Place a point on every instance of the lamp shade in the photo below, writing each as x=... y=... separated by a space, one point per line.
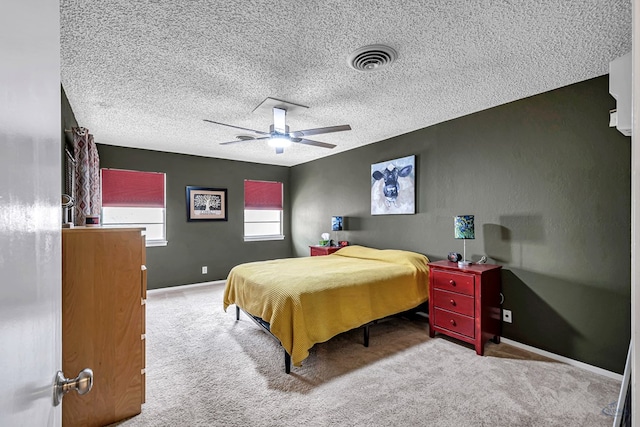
x=336 y=223
x=463 y=227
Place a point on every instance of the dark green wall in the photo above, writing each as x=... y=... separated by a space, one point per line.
x=549 y=184
x=217 y=244
x=68 y=121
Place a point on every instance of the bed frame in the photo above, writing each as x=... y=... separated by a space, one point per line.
x=287 y=357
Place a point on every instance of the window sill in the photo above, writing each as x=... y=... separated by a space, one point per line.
x=152 y=243
x=263 y=238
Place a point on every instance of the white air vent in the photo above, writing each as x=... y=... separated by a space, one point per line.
x=372 y=58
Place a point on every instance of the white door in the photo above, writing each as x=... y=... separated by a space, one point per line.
x=30 y=214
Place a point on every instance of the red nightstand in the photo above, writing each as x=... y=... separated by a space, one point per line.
x=323 y=250
x=464 y=303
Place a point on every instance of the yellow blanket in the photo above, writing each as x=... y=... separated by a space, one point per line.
x=309 y=300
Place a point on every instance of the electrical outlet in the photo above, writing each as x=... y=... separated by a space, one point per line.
x=506 y=316
x=204 y=269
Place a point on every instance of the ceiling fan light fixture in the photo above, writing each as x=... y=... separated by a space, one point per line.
x=279 y=136
x=279 y=141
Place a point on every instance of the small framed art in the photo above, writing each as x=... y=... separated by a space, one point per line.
x=206 y=204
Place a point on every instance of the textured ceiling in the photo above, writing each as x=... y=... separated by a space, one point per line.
x=146 y=73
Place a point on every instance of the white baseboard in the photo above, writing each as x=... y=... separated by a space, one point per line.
x=181 y=288
x=563 y=359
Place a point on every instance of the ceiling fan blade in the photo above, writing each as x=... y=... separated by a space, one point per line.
x=238 y=127
x=318 y=131
x=245 y=140
x=314 y=143
x=279 y=120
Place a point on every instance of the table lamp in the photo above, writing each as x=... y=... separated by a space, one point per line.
x=336 y=225
x=463 y=229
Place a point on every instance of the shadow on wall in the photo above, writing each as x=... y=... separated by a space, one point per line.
x=535 y=321
x=503 y=242
x=545 y=308
x=353 y=223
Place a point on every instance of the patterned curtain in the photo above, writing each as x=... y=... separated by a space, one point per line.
x=86 y=176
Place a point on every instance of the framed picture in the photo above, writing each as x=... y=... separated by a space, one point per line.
x=393 y=187
x=206 y=204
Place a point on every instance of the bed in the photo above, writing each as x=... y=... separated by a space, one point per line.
x=304 y=301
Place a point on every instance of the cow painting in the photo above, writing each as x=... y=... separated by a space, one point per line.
x=393 y=187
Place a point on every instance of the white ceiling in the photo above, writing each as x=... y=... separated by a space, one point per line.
x=146 y=73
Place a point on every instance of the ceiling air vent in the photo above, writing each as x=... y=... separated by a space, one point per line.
x=372 y=58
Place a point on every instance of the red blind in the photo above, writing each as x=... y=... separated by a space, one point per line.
x=262 y=195
x=123 y=188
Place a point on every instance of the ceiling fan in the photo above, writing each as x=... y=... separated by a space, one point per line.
x=279 y=136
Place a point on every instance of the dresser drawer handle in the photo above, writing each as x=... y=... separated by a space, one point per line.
x=452 y=282
x=453 y=322
x=453 y=302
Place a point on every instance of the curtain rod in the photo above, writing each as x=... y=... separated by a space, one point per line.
x=72 y=130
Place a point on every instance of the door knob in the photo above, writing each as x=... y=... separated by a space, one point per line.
x=61 y=385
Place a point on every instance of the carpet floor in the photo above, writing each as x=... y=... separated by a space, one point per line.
x=204 y=368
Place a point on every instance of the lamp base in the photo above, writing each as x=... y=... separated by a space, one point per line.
x=464 y=264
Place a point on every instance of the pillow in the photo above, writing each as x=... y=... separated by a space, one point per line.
x=396 y=256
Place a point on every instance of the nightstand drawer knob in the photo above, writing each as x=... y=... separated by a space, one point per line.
x=453 y=303
x=452 y=282
x=453 y=322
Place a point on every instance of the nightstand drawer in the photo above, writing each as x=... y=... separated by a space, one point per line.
x=452 y=301
x=453 y=282
x=454 y=322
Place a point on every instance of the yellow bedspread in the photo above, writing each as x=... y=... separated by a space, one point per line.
x=309 y=300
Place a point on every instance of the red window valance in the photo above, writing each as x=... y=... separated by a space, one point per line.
x=125 y=188
x=262 y=195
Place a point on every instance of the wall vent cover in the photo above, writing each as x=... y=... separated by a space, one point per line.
x=372 y=58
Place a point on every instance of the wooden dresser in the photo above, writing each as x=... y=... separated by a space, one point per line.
x=464 y=303
x=104 y=287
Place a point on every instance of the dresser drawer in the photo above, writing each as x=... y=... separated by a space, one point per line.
x=454 y=282
x=452 y=301
x=454 y=322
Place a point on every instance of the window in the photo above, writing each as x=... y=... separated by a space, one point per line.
x=262 y=210
x=135 y=199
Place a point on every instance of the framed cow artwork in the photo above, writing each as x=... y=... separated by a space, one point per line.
x=393 y=187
